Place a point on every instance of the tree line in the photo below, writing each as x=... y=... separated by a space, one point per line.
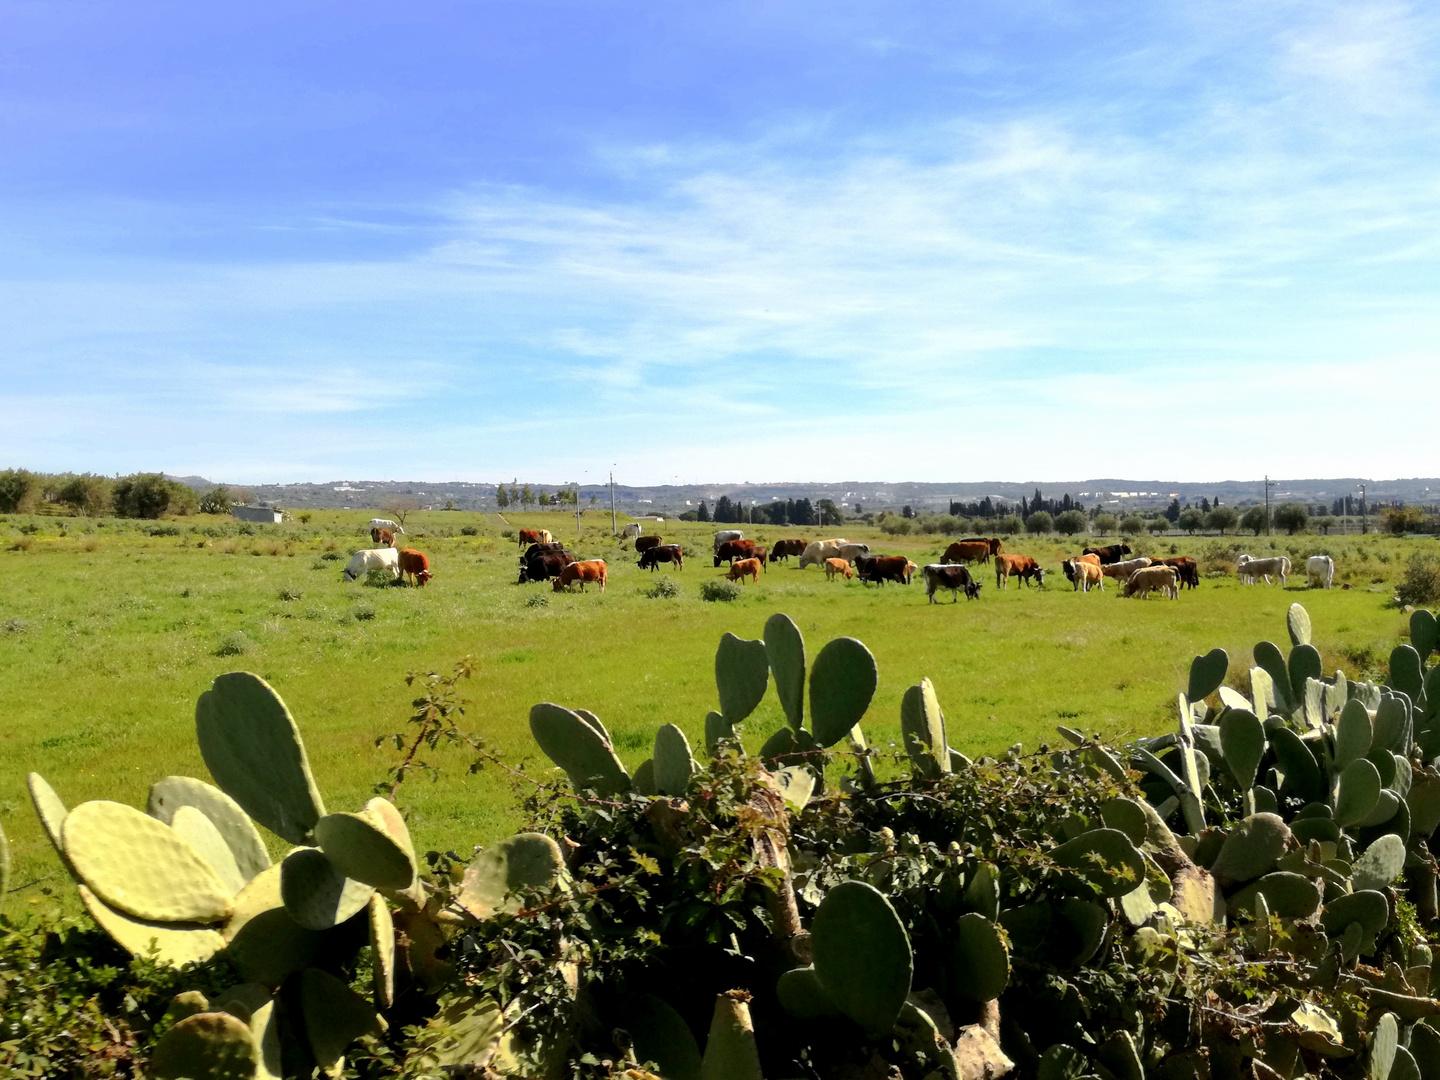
x=139 y=495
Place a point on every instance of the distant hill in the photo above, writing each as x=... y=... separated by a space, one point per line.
x=669 y=500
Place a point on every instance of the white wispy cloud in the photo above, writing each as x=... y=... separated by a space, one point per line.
x=1019 y=276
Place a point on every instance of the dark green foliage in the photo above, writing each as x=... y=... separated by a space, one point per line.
x=149 y=495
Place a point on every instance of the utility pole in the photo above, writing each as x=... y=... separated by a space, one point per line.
x=613 y=529
x=1268 y=485
x=1364 y=524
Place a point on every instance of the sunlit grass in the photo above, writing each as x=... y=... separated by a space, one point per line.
x=108 y=635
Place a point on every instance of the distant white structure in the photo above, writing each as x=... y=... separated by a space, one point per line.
x=268 y=514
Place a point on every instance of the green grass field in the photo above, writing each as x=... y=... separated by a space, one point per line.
x=108 y=635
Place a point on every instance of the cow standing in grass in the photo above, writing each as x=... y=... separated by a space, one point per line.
x=590 y=570
x=950 y=576
x=740 y=569
x=415 y=566
x=1021 y=566
x=362 y=562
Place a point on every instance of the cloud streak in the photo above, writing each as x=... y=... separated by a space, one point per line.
x=1232 y=215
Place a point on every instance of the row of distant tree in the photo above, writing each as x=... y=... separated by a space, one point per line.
x=523 y=496
x=140 y=495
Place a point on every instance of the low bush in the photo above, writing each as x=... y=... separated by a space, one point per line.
x=236 y=643
x=537 y=600
x=469 y=530
x=712 y=591
x=379 y=578
x=664 y=589
x=1421 y=581
x=290 y=593
x=331 y=555
x=14 y=626
x=362 y=613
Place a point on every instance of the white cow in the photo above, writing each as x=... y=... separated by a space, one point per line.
x=820 y=550
x=1249 y=568
x=385 y=523
x=362 y=562
x=726 y=535
x=631 y=531
x=1121 y=571
x=851 y=552
x=1321 y=569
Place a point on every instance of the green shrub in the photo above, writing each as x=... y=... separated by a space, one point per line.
x=1070 y=522
x=362 y=612
x=290 y=593
x=664 y=589
x=1106 y=523
x=378 y=577
x=1421 y=581
x=469 y=530
x=537 y=600
x=331 y=556
x=1132 y=525
x=235 y=643
x=720 y=590
x=14 y=625
x=1039 y=522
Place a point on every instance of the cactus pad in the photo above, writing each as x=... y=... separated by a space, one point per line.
x=316 y=894
x=253 y=749
x=1242 y=744
x=674 y=764
x=716 y=729
x=1367 y=908
x=730 y=1050
x=1297 y=621
x=1105 y=858
x=1287 y=894
x=1253 y=848
x=1304 y=664
x=660 y=1034
x=335 y=1016
x=1424 y=632
x=742 y=672
x=1356 y=792
x=576 y=747
x=785 y=650
x=1406 y=671
x=1392 y=725
x=1298 y=766
x=206 y=1046
x=175 y=946
x=643 y=779
x=382 y=951
x=593 y=722
x=1125 y=815
x=1269 y=657
x=173 y=792
x=1353 y=734
x=1382 y=862
x=802 y=995
x=862 y=954
x=385 y=814
x=922 y=726
x=363 y=851
x=51 y=812
x=842 y=682
x=980 y=963
x=141 y=866
x=205 y=838
x=982 y=891
x=1206 y=674
x=264 y=943
x=526 y=860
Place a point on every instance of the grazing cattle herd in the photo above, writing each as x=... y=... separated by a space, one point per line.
x=543 y=559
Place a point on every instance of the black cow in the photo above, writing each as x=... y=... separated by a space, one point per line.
x=544 y=566
x=950 y=576
x=670 y=553
x=1112 y=553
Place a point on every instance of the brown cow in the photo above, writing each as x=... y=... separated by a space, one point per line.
x=993 y=541
x=535 y=536
x=1084 y=574
x=1186 y=569
x=416 y=565
x=763 y=555
x=883 y=568
x=731 y=550
x=645 y=543
x=783 y=549
x=654 y=556
x=591 y=570
x=743 y=568
x=963 y=551
x=836 y=567
x=382 y=536
x=1021 y=566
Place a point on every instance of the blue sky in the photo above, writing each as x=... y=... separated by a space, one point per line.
x=750 y=241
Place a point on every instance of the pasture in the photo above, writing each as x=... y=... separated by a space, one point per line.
x=109 y=630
